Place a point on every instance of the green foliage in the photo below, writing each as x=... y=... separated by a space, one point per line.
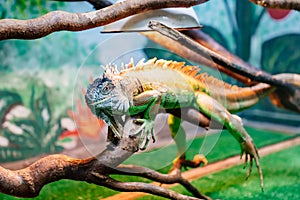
x=216 y=35
x=281 y=171
x=52 y=51
x=39 y=132
x=278 y=55
x=281 y=54
x=245 y=27
x=24 y=9
x=7 y=100
x=225 y=147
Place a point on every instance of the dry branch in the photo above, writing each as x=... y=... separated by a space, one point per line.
x=59 y=20
x=189 y=54
x=208 y=42
x=280 y=4
x=29 y=181
x=156 y=176
x=208 y=54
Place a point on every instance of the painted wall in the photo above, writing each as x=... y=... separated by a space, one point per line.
x=42 y=81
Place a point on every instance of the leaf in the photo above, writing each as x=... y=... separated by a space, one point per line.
x=45 y=111
x=216 y=35
x=41 y=110
x=245 y=19
x=30 y=129
x=9 y=154
x=29 y=138
x=281 y=54
x=7 y=100
x=31 y=103
x=52 y=136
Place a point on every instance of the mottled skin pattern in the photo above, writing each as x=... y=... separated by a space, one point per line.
x=159 y=84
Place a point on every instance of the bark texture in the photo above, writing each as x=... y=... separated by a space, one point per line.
x=64 y=21
x=280 y=4
x=29 y=181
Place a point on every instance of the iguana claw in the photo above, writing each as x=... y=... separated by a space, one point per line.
x=251 y=154
x=147 y=132
x=180 y=162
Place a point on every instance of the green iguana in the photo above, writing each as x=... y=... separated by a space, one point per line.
x=160 y=84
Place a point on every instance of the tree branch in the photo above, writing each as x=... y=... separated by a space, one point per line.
x=59 y=20
x=280 y=4
x=219 y=59
x=209 y=43
x=158 y=177
x=29 y=181
x=145 y=187
x=285 y=89
x=189 y=54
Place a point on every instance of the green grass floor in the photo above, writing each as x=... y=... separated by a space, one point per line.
x=281 y=172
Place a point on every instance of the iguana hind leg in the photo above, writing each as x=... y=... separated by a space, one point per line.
x=179 y=136
x=216 y=111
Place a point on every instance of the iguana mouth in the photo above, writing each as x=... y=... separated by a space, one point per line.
x=113 y=123
x=100 y=101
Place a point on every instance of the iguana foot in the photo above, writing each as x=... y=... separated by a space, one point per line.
x=180 y=162
x=147 y=132
x=251 y=154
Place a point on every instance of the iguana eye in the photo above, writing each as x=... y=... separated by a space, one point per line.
x=106 y=88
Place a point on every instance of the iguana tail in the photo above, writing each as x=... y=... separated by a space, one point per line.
x=287 y=97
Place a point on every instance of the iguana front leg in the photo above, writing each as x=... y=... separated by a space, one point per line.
x=216 y=111
x=149 y=101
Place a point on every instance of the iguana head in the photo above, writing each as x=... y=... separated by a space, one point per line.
x=107 y=99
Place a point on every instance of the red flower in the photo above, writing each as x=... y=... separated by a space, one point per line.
x=87 y=123
x=277 y=14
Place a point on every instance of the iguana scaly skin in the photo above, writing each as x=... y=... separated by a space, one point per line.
x=159 y=84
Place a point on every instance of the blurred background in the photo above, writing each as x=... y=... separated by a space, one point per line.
x=42 y=81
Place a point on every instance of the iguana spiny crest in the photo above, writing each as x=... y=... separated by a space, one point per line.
x=112 y=94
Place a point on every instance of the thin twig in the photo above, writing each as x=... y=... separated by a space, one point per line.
x=158 y=177
x=144 y=187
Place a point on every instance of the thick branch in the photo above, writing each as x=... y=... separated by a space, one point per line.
x=29 y=181
x=280 y=4
x=59 y=20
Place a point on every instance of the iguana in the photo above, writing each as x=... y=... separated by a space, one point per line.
x=159 y=84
